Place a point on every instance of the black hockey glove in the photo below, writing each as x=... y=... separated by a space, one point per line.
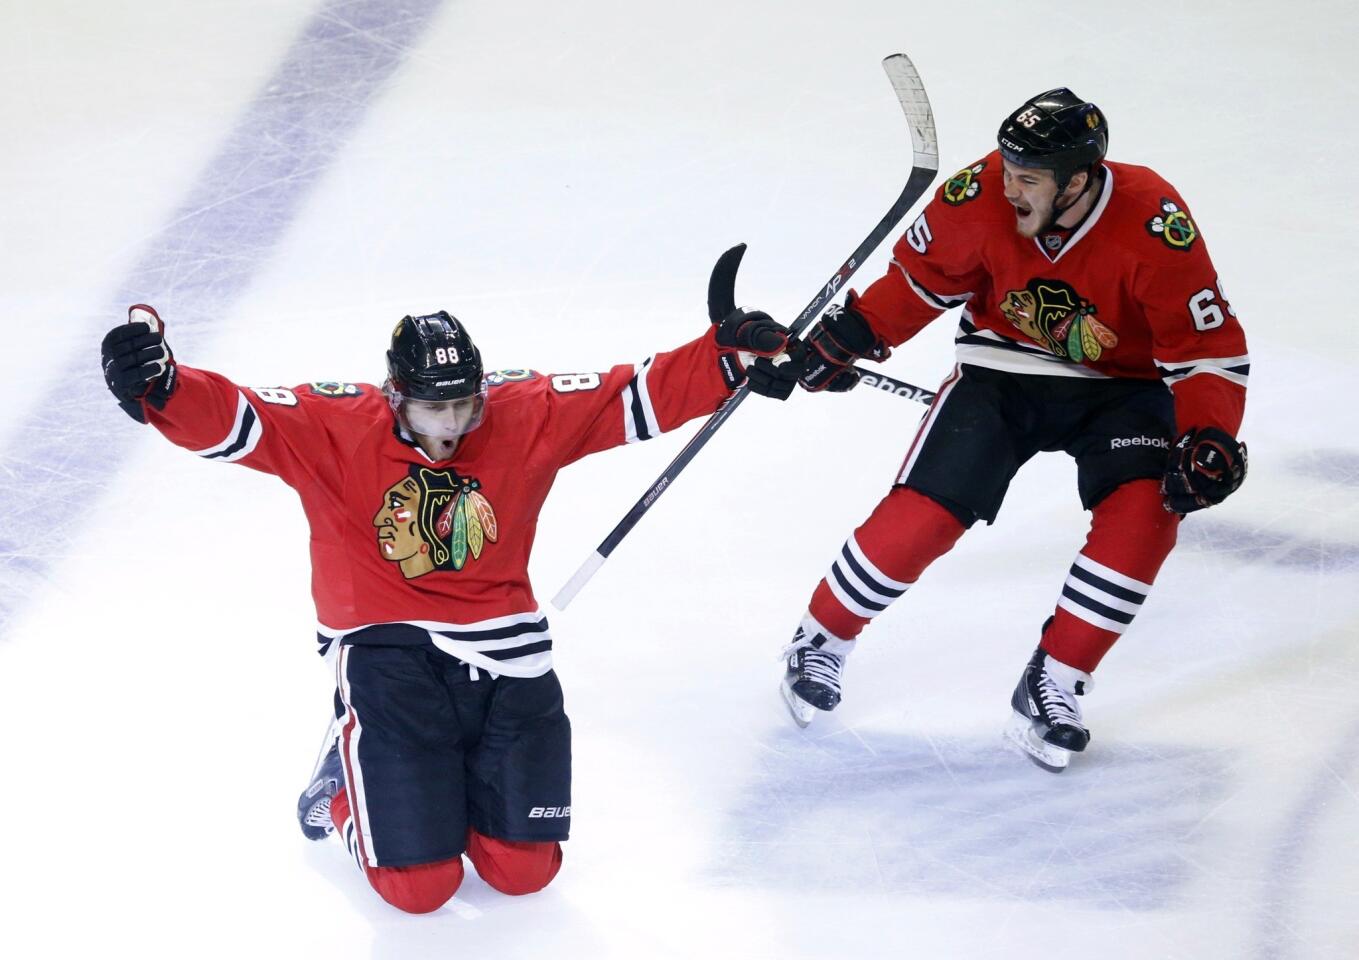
x=138 y=364
x=1206 y=466
x=777 y=376
x=839 y=338
x=752 y=341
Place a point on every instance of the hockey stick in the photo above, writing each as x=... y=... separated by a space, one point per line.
x=722 y=301
x=873 y=380
x=925 y=165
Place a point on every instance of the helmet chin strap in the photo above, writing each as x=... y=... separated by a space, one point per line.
x=1056 y=213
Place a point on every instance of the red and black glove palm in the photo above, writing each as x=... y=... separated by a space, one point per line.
x=1206 y=467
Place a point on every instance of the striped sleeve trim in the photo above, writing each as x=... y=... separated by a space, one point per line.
x=1235 y=369
x=935 y=300
x=639 y=416
x=244 y=436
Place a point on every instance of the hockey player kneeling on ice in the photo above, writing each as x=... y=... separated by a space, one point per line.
x=1092 y=322
x=423 y=497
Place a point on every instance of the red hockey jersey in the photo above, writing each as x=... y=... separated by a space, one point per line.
x=1130 y=293
x=408 y=550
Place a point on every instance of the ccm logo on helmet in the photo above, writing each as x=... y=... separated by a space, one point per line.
x=547 y=813
x=1117 y=442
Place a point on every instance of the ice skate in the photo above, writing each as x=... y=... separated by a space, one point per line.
x=1047 y=723
x=327 y=777
x=811 y=680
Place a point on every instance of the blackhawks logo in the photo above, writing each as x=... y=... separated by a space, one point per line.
x=1055 y=315
x=334 y=388
x=963 y=185
x=1173 y=226
x=495 y=378
x=433 y=520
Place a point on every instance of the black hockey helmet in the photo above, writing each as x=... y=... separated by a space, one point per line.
x=1056 y=131
x=433 y=358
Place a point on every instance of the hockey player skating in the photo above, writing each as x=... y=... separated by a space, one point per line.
x=1093 y=323
x=423 y=497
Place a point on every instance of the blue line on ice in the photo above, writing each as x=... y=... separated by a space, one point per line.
x=199 y=265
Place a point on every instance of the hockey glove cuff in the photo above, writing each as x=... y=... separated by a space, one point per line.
x=743 y=336
x=138 y=364
x=1206 y=466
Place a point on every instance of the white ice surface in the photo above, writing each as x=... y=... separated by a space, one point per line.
x=562 y=177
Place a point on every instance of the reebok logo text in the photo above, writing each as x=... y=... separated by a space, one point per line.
x=1118 y=442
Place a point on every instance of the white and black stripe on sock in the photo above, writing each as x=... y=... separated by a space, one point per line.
x=859 y=585
x=1102 y=596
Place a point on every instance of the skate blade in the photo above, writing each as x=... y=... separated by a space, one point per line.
x=800 y=710
x=1020 y=732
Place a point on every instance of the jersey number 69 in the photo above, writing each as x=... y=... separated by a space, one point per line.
x=1204 y=310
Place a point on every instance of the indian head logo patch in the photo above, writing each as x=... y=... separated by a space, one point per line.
x=1173 y=226
x=963 y=185
x=433 y=520
x=1054 y=314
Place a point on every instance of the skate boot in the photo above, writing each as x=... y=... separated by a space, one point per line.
x=327 y=777
x=1047 y=722
x=811 y=682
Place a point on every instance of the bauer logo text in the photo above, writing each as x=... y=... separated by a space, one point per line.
x=548 y=813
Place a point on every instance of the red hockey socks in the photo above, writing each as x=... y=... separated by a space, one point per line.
x=881 y=560
x=1131 y=534
x=422 y=888
x=514 y=867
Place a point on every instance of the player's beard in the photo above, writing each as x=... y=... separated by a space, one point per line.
x=1036 y=221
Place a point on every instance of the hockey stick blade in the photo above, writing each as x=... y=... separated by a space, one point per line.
x=910 y=92
x=722 y=284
